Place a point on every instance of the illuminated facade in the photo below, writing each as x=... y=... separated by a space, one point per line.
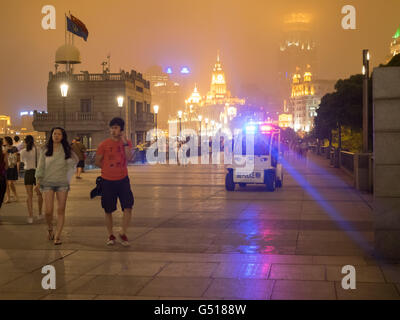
x=286 y=120
x=5 y=124
x=297 y=50
x=305 y=99
x=165 y=93
x=395 y=45
x=216 y=110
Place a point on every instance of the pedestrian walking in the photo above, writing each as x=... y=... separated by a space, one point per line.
x=3 y=173
x=55 y=169
x=112 y=157
x=79 y=149
x=18 y=143
x=12 y=170
x=29 y=156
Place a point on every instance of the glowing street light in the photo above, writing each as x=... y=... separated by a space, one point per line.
x=180 y=122
x=64 y=93
x=156 y=109
x=120 y=100
x=64 y=90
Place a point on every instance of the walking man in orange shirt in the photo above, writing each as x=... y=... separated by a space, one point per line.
x=112 y=157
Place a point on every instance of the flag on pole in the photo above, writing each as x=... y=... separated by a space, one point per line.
x=77 y=27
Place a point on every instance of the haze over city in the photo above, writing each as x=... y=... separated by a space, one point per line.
x=140 y=34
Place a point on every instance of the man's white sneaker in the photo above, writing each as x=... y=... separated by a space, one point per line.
x=124 y=240
x=30 y=220
x=111 y=240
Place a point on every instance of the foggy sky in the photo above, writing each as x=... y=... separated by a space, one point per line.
x=139 y=34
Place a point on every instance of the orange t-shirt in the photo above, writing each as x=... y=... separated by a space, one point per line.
x=114 y=160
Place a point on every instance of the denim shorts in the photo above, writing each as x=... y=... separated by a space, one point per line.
x=53 y=188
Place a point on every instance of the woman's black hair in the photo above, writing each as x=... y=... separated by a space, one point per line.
x=9 y=141
x=1 y=151
x=30 y=142
x=118 y=122
x=64 y=142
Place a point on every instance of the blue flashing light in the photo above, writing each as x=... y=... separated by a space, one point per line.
x=251 y=129
x=185 y=70
x=169 y=70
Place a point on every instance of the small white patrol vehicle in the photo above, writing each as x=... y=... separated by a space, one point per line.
x=264 y=167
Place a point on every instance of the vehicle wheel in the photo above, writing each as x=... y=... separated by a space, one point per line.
x=242 y=185
x=270 y=181
x=229 y=184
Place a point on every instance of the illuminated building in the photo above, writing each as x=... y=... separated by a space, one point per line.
x=305 y=99
x=92 y=102
x=285 y=120
x=5 y=125
x=395 y=44
x=297 y=50
x=26 y=120
x=165 y=93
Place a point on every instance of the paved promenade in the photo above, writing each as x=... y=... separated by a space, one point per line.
x=190 y=239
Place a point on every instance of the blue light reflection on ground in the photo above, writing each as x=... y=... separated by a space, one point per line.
x=332 y=212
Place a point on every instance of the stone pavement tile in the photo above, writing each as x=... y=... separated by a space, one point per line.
x=176 y=287
x=122 y=298
x=297 y=272
x=113 y=285
x=184 y=270
x=68 y=297
x=21 y=296
x=32 y=283
x=8 y=277
x=391 y=273
x=342 y=236
x=339 y=261
x=242 y=270
x=368 y=291
x=326 y=217
x=363 y=273
x=287 y=206
x=128 y=268
x=335 y=226
x=249 y=289
x=177 y=247
x=332 y=248
x=265 y=235
x=303 y=290
x=251 y=249
x=70 y=286
x=269 y=215
x=67 y=266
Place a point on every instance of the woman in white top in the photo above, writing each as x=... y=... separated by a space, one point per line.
x=29 y=157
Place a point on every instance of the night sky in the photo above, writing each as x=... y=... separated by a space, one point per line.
x=139 y=34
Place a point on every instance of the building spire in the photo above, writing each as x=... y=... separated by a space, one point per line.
x=218 y=59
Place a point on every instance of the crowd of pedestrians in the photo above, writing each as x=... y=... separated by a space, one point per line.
x=48 y=172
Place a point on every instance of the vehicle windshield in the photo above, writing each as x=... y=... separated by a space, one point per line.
x=261 y=145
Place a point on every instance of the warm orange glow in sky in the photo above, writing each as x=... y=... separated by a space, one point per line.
x=139 y=34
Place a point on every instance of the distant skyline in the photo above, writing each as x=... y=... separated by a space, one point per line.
x=141 y=34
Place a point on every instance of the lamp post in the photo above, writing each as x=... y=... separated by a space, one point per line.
x=156 y=108
x=120 y=100
x=180 y=123
x=206 y=127
x=200 y=117
x=64 y=93
x=366 y=58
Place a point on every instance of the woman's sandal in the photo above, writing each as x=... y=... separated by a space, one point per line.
x=57 y=242
x=51 y=234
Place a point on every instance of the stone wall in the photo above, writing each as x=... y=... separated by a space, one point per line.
x=386 y=95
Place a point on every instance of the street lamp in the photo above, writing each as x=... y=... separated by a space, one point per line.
x=156 y=108
x=120 y=100
x=366 y=59
x=64 y=93
x=180 y=122
x=206 y=127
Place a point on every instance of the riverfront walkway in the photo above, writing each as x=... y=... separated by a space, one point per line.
x=190 y=239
